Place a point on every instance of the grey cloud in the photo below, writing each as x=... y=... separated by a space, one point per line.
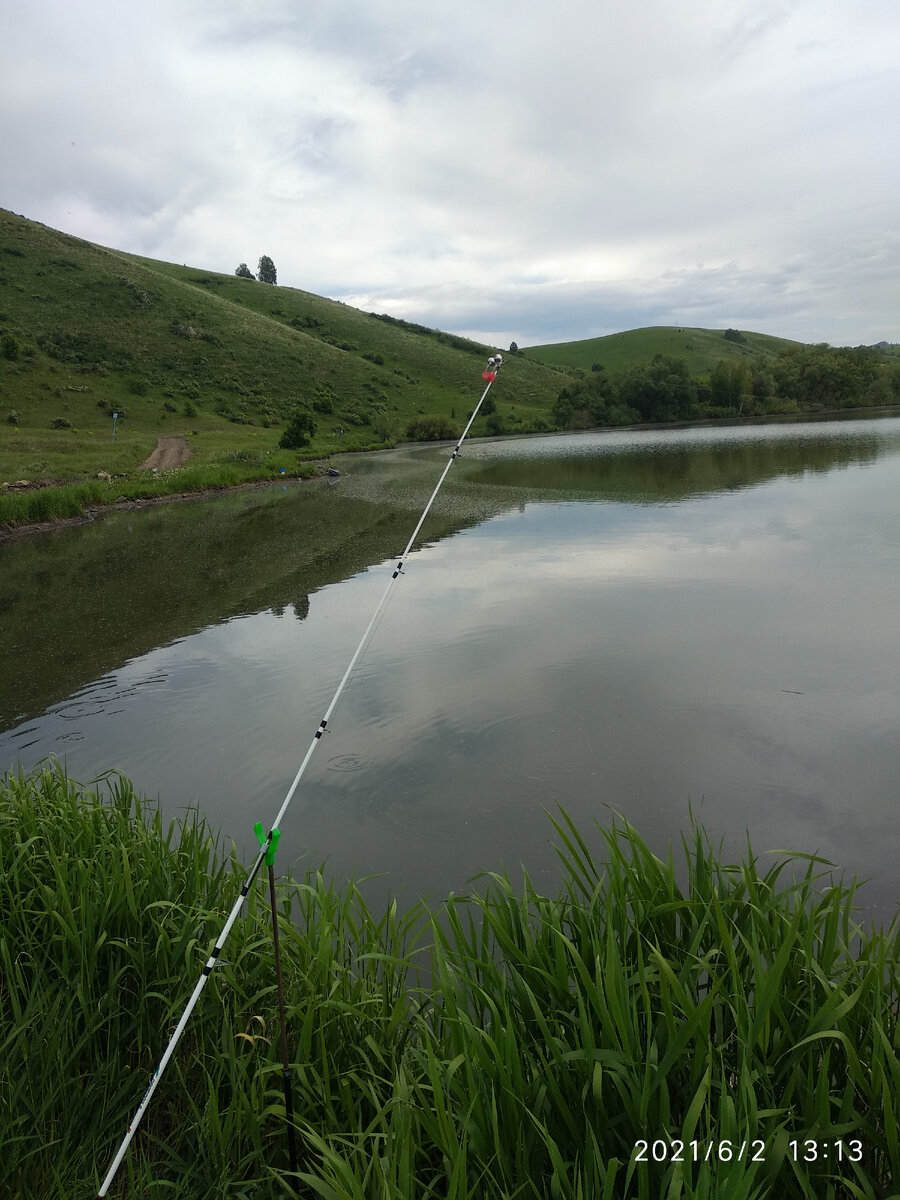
x=654 y=164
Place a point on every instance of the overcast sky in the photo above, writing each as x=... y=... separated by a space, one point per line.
x=528 y=171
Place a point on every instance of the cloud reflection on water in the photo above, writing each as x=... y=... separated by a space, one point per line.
x=734 y=650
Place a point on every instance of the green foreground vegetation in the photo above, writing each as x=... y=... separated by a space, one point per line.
x=261 y=379
x=546 y=1039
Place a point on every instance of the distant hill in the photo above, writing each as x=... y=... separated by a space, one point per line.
x=86 y=331
x=221 y=362
x=701 y=349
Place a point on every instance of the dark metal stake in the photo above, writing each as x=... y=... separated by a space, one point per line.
x=286 y=1075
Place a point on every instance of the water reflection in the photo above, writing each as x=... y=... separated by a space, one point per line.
x=649 y=467
x=560 y=639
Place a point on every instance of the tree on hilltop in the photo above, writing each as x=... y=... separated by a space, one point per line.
x=244 y=272
x=266 y=272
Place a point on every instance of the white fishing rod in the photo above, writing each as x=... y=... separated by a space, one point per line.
x=494 y=364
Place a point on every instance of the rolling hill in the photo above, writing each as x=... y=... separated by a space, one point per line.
x=701 y=349
x=221 y=362
x=86 y=331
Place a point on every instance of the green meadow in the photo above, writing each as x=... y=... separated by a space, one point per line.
x=678 y=1027
x=225 y=363
x=702 y=349
x=221 y=361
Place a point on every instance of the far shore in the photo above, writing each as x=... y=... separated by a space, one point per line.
x=92 y=512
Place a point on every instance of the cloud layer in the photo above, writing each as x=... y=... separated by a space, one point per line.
x=518 y=171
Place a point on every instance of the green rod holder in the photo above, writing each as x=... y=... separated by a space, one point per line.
x=273 y=844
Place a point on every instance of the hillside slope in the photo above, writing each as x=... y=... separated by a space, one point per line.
x=701 y=349
x=86 y=331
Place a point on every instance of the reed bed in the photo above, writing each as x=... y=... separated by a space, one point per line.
x=545 y=1040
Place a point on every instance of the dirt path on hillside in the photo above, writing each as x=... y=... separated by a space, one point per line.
x=170 y=452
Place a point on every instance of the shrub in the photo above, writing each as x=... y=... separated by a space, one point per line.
x=382 y=426
x=60 y=423
x=12 y=417
x=9 y=347
x=190 y=409
x=375 y=392
x=236 y=416
x=301 y=429
x=431 y=428
x=323 y=401
x=354 y=415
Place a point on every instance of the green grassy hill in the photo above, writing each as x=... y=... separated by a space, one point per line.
x=222 y=362
x=701 y=349
x=86 y=331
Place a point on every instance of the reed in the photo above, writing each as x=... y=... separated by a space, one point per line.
x=706 y=1004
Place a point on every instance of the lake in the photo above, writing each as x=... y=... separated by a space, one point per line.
x=637 y=622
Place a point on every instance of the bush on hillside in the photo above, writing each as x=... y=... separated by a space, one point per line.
x=352 y=414
x=323 y=401
x=301 y=429
x=431 y=428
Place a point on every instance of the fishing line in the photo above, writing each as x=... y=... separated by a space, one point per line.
x=489 y=374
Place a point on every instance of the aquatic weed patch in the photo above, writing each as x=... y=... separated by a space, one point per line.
x=554 y=1035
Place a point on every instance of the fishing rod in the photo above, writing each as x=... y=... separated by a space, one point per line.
x=494 y=363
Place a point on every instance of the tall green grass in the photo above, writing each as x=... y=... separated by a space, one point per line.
x=547 y=1037
x=37 y=505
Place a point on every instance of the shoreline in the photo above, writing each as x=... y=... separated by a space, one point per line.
x=13 y=532
x=91 y=513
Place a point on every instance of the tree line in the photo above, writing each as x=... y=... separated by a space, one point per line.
x=799 y=379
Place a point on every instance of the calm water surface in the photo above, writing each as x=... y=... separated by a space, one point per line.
x=635 y=622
